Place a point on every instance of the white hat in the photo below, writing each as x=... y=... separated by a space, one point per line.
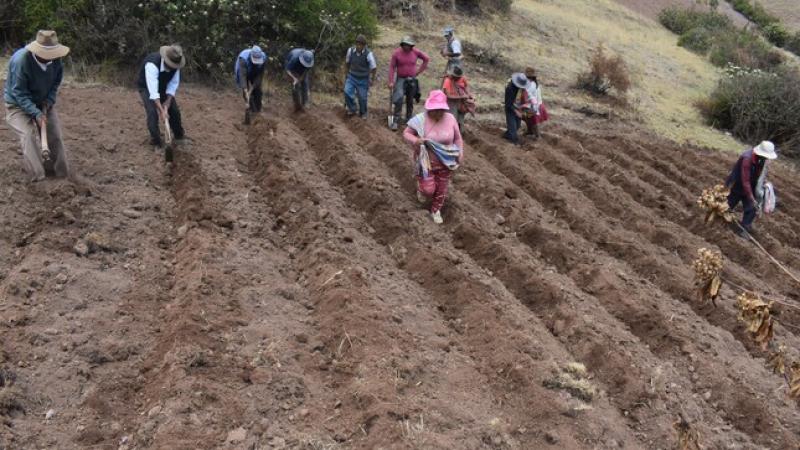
x=765 y=149
x=520 y=80
x=257 y=56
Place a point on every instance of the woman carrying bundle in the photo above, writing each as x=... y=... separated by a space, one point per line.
x=437 y=148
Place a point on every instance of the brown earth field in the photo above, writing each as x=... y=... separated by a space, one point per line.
x=280 y=287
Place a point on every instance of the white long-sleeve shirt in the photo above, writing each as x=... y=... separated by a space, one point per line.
x=151 y=77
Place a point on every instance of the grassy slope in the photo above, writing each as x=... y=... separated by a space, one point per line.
x=787 y=10
x=557 y=36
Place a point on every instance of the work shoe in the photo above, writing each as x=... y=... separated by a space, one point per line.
x=421 y=197
x=437 y=217
x=350 y=113
x=394 y=126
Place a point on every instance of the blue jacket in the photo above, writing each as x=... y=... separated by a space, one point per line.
x=28 y=86
x=293 y=63
x=253 y=71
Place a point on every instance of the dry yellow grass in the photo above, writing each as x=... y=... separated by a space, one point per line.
x=557 y=36
x=787 y=10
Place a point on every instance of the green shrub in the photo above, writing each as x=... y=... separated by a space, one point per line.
x=793 y=43
x=698 y=40
x=756 y=105
x=744 y=49
x=776 y=33
x=680 y=20
x=754 y=11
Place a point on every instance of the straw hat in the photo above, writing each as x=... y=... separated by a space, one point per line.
x=765 y=149
x=173 y=56
x=46 y=45
x=436 y=100
x=520 y=80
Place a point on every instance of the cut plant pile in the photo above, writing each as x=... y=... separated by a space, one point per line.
x=282 y=288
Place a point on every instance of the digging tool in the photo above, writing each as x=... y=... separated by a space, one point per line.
x=45 y=144
x=169 y=143
x=247 y=111
x=391 y=110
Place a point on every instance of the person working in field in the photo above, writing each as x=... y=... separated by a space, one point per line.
x=299 y=62
x=452 y=50
x=361 y=71
x=159 y=78
x=516 y=90
x=744 y=179
x=249 y=74
x=437 y=149
x=403 y=66
x=534 y=110
x=459 y=97
x=34 y=76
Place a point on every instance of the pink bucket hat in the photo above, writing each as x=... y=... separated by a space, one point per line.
x=436 y=100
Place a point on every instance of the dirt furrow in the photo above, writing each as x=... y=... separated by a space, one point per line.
x=482 y=308
x=547 y=293
x=609 y=287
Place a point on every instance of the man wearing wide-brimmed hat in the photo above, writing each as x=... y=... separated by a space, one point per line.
x=744 y=179
x=34 y=76
x=249 y=74
x=299 y=62
x=403 y=73
x=159 y=78
x=515 y=92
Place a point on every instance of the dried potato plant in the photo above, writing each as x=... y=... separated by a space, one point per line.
x=794 y=380
x=688 y=438
x=777 y=360
x=707 y=269
x=756 y=315
x=715 y=202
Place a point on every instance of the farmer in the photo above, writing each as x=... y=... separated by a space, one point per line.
x=435 y=130
x=459 y=97
x=299 y=62
x=452 y=49
x=404 y=65
x=535 y=111
x=249 y=73
x=361 y=71
x=515 y=94
x=158 y=83
x=743 y=179
x=34 y=76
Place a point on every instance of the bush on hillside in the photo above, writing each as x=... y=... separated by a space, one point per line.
x=744 y=49
x=680 y=20
x=776 y=33
x=605 y=73
x=793 y=43
x=754 y=11
x=756 y=105
x=211 y=31
x=698 y=40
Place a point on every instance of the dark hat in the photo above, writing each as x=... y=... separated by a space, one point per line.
x=173 y=56
x=361 y=39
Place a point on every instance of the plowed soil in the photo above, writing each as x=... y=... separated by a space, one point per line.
x=280 y=287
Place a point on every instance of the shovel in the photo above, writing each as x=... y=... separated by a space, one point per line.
x=168 y=141
x=45 y=144
x=247 y=104
x=391 y=108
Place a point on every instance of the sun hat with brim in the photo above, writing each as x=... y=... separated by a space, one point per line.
x=436 y=100
x=520 y=80
x=307 y=58
x=765 y=149
x=257 y=56
x=448 y=31
x=46 y=45
x=173 y=56
x=407 y=41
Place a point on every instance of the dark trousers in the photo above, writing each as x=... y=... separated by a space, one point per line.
x=300 y=93
x=256 y=96
x=737 y=196
x=512 y=126
x=403 y=88
x=152 y=118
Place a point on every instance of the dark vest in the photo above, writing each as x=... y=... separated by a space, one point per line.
x=254 y=71
x=40 y=82
x=163 y=77
x=359 y=64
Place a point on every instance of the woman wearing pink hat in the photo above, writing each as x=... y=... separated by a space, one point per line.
x=436 y=132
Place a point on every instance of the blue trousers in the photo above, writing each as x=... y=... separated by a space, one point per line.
x=737 y=196
x=512 y=126
x=356 y=88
